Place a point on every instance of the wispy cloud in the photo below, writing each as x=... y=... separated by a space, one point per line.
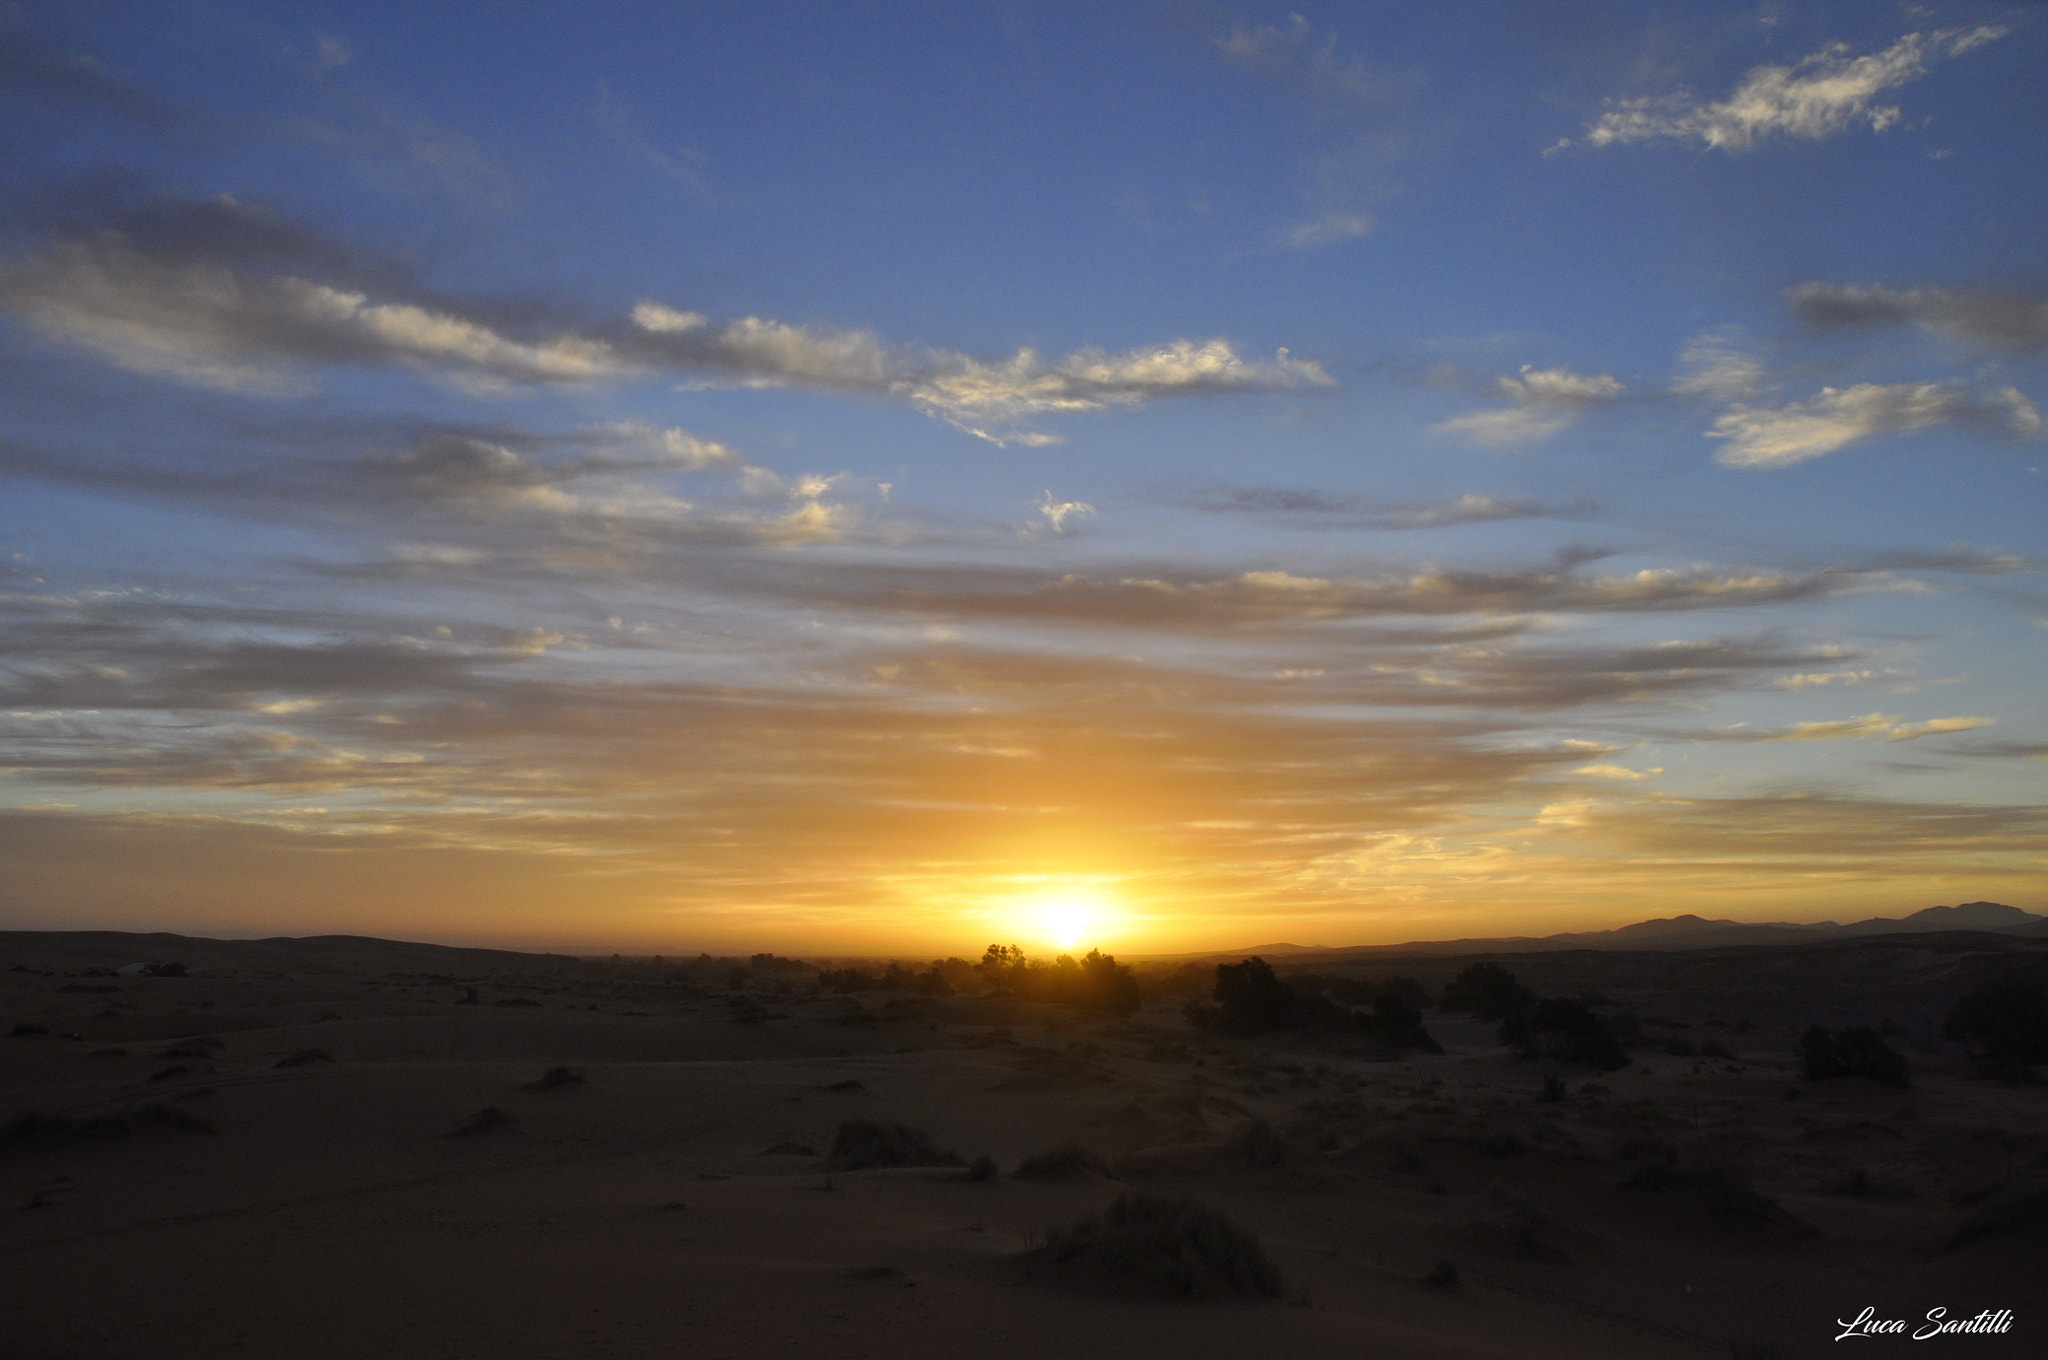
x=1719 y=365
x=1779 y=436
x=1818 y=96
x=1992 y=319
x=681 y=166
x=1300 y=508
x=226 y=296
x=30 y=66
x=1546 y=400
x=1366 y=126
x=1881 y=726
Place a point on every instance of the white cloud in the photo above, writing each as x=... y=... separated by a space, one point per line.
x=1058 y=512
x=1816 y=97
x=653 y=316
x=1771 y=437
x=1546 y=401
x=1715 y=365
x=971 y=394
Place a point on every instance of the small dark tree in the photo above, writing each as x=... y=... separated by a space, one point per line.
x=1398 y=1020
x=2002 y=1024
x=1859 y=1052
x=1407 y=987
x=1561 y=1028
x=1003 y=966
x=1106 y=985
x=1252 y=1000
x=1488 y=991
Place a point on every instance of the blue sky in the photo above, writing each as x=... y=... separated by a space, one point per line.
x=826 y=478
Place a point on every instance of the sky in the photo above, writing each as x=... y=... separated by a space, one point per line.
x=888 y=478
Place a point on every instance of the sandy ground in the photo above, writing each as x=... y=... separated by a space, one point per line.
x=677 y=1199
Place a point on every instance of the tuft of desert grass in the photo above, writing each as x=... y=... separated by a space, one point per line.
x=305 y=1057
x=1069 y=1161
x=554 y=1079
x=862 y=1144
x=33 y=1130
x=1151 y=1243
x=490 y=1117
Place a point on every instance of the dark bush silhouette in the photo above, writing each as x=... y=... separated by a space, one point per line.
x=1553 y=1089
x=200 y=1046
x=32 y=1130
x=1859 y=1052
x=1258 y=1144
x=1407 y=987
x=1069 y=1161
x=27 y=1030
x=863 y=1143
x=554 y=1079
x=1714 y=1048
x=1251 y=999
x=1173 y=1246
x=487 y=1119
x=1443 y=1275
x=1397 y=1018
x=2002 y=1024
x=1488 y=991
x=1096 y=982
x=1564 y=1030
x=305 y=1057
x=982 y=1168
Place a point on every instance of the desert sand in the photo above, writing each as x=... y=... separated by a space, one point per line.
x=323 y=1148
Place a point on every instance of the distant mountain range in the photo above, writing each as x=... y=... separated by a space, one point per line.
x=1686 y=932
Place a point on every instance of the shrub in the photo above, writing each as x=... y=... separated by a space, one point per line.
x=1250 y=999
x=490 y=1117
x=305 y=1057
x=2002 y=1024
x=862 y=1143
x=32 y=1129
x=200 y=1046
x=1068 y=1162
x=982 y=1168
x=1488 y=991
x=1859 y=1052
x=1094 y=982
x=1553 y=1089
x=1443 y=1275
x=1175 y=1246
x=1565 y=1030
x=555 y=1078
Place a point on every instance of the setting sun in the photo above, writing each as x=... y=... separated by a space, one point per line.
x=1065 y=914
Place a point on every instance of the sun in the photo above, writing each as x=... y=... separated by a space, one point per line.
x=1069 y=914
x=1067 y=920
